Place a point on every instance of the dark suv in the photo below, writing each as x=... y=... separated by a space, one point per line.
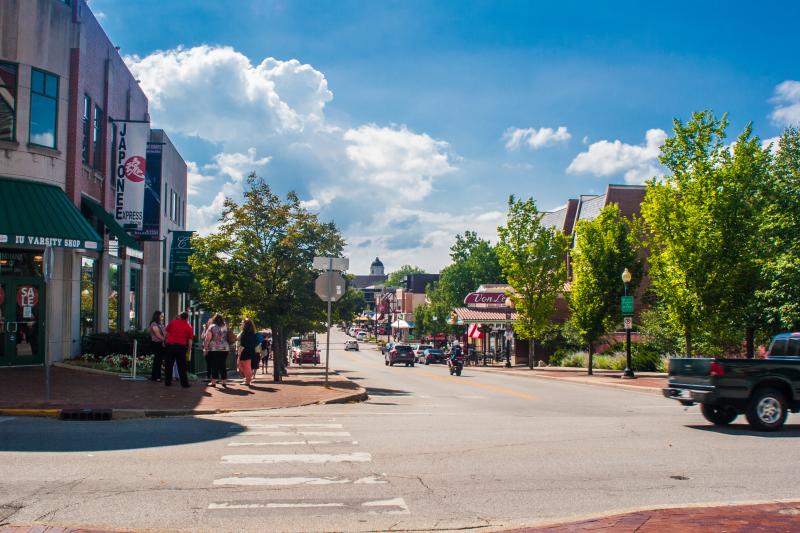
x=400 y=353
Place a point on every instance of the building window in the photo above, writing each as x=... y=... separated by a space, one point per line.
x=134 y=299
x=8 y=101
x=113 y=297
x=88 y=296
x=87 y=118
x=97 y=138
x=44 y=108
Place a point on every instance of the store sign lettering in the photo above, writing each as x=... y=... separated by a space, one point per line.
x=129 y=174
x=497 y=298
x=27 y=296
x=56 y=242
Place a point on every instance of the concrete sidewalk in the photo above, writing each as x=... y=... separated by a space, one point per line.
x=772 y=517
x=23 y=393
x=651 y=382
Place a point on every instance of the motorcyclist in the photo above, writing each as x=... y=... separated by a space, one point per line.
x=455 y=352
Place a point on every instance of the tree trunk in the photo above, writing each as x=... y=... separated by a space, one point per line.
x=531 y=352
x=687 y=336
x=750 y=342
x=589 y=364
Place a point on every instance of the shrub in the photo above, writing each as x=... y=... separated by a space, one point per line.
x=575 y=359
x=646 y=358
x=558 y=356
x=610 y=361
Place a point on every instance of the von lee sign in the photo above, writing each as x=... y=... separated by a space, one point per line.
x=129 y=172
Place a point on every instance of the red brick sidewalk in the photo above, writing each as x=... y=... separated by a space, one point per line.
x=772 y=517
x=23 y=388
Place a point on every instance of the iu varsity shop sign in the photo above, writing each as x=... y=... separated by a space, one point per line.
x=129 y=172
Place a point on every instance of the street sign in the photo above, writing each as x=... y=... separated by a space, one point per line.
x=628 y=322
x=330 y=286
x=627 y=305
x=340 y=264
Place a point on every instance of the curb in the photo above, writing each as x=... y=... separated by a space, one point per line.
x=52 y=413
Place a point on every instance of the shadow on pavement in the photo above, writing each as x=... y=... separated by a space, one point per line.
x=49 y=435
x=373 y=391
x=788 y=431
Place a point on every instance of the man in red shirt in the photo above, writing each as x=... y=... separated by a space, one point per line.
x=179 y=338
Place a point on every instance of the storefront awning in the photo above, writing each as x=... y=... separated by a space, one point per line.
x=484 y=316
x=110 y=223
x=39 y=214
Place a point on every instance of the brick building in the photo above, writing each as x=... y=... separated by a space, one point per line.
x=65 y=95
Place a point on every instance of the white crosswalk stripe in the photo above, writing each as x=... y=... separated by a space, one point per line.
x=282 y=476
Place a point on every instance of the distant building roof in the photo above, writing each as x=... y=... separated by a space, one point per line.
x=364 y=281
x=377 y=262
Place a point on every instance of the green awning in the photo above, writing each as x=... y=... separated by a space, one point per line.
x=38 y=214
x=110 y=222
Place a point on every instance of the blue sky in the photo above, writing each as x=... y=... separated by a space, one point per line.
x=397 y=119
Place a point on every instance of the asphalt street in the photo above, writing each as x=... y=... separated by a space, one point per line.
x=428 y=451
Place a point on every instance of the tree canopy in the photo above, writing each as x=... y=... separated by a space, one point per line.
x=397 y=277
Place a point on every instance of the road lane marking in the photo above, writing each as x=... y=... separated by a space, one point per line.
x=293 y=443
x=291 y=433
x=394 y=505
x=279 y=426
x=288 y=481
x=307 y=458
x=486 y=386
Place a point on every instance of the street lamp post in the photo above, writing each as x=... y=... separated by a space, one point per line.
x=626 y=278
x=433 y=330
x=507 y=338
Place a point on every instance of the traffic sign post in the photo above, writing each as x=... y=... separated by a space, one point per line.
x=330 y=286
x=626 y=304
x=628 y=322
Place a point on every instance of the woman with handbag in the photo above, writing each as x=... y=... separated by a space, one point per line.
x=157 y=338
x=248 y=341
x=215 y=349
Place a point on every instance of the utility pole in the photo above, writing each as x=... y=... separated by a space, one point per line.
x=330 y=286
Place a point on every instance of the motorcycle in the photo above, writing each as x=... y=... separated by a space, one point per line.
x=456 y=365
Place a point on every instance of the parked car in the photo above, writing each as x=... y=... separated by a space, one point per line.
x=361 y=335
x=432 y=355
x=351 y=345
x=400 y=353
x=419 y=349
x=764 y=390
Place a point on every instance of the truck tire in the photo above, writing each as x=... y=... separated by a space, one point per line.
x=719 y=415
x=766 y=410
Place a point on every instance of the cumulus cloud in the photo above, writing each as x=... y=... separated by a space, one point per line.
x=787 y=104
x=534 y=138
x=637 y=163
x=216 y=93
x=232 y=167
x=397 y=159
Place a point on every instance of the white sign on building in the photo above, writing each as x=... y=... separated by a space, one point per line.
x=129 y=172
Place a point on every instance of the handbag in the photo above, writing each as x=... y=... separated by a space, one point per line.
x=231 y=338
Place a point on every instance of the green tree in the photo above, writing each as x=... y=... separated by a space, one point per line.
x=532 y=257
x=258 y=261
x=779 y=297
x=604 y=248
x=350 y=305
x=701 y=229
x=397 y=277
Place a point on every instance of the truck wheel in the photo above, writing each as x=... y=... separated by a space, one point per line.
x=719 y=415
x=766 y=410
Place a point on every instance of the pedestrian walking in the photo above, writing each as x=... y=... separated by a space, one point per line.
x=265 y=346
x=157 y=338
x=248 y=343
x=215 y=350
x=179 y=340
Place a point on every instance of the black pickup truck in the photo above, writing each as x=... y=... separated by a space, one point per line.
x=764 y=390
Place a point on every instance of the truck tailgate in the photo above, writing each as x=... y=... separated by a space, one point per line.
x=690 y=371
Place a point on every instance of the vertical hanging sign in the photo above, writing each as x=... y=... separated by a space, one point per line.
x=129 y=172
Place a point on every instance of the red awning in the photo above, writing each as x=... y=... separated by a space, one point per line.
x=484 y=316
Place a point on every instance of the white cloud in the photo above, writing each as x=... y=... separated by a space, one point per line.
x=636 y=162
x=773 y=143
x=196 y=178
x=231 y=166
x=533 y=138
x=397 y=159
x=217 y=94
x=787 y=100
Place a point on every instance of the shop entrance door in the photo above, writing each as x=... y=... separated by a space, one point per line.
x=22 y=304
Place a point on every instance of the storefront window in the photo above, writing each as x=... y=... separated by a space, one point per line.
x=113 y=297
x=134 y=299
x=21 y=264
x=88 y=296
x=44 y=108
x=8 y=101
